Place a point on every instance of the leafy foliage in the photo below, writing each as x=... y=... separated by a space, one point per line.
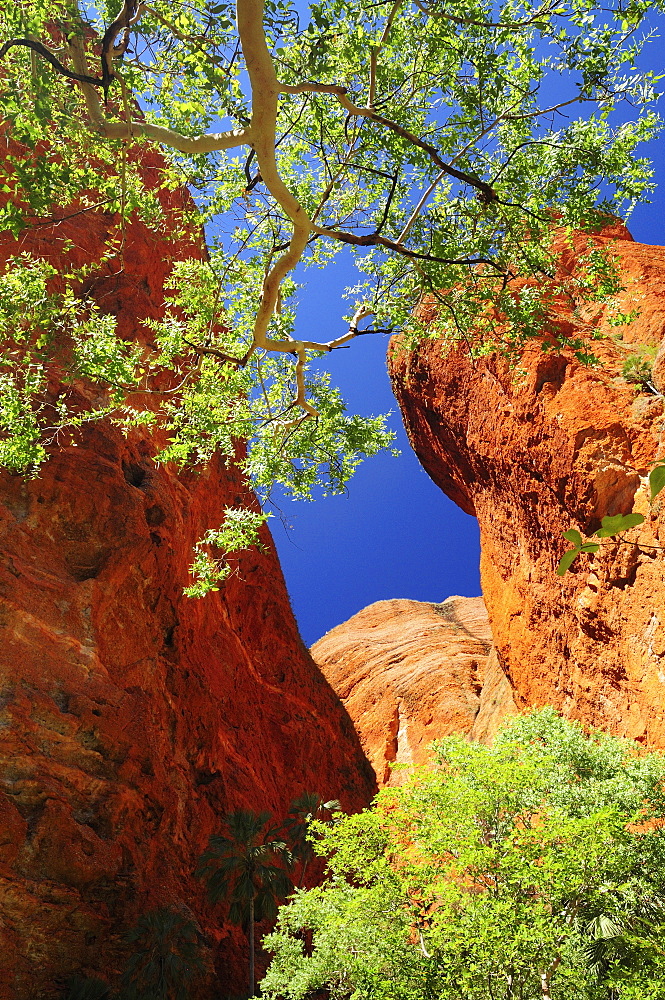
x=305 y=810
x=240 y=530
x=244 y=866
x=611 y=527
x=85 y=988
x=165 y=961
x=530 y=869
x=638 y=368
x=423 y=136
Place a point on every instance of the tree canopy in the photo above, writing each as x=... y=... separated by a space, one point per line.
x=165 y=962
x=244 y=866
x=530 y=870
x=443 y=143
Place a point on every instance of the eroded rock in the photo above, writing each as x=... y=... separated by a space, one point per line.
x=409 y=672
x=535 y=451
x=133 y=718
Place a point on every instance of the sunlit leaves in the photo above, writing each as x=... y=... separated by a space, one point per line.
x=611 y=526
x=229 y=400
x=657 y=480
x=21 y=447
x=500 y=868
x=485 y=86
x=214 y=552
x=26 y=306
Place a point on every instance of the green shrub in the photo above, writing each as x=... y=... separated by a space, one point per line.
x=638 y=368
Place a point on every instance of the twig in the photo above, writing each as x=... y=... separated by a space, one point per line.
x=417 y=210
x=487 y=193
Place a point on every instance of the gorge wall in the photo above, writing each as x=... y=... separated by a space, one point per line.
x=409 y=672
x=133 y=718
x=535 y=451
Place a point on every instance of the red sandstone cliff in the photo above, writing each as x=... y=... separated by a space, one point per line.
x=531 y=454
x=131 y=717
x=410 y=672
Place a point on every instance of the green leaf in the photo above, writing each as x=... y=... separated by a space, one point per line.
x=572 y=535
x=657 y=480
x=544 y=816
x=619 y=522
x=566 y=561
x=590 y=547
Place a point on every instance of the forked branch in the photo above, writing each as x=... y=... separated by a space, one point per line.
x=260 y=136
x=486 y=191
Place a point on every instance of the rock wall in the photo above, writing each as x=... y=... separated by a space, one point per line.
x=543 y=448
x=131 y=717
x=409 y=672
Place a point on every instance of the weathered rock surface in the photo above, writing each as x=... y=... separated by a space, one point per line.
x=533 y=453
x=409 y=672
x=131 y=717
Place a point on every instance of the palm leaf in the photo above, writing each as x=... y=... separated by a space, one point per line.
x=85 y=988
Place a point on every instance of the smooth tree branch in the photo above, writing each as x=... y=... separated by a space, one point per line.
x=260 y=136
x=209 y=143
x=300 y=348
x=375 y=239
x=419 y=207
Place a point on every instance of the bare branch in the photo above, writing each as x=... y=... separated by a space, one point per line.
x=372 y=75
x=543 y=12
x=56 y=220
x=389 y=22
x=312 y=88
x=419 y=207
x=46 y=53
x=213 y=352
x=389 y=200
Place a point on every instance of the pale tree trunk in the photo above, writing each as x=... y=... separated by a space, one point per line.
x=546 y=978
x=251 y=948
x=260 y=135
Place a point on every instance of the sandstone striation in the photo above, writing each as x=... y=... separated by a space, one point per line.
x=131 y=717
x=409 y=672
x=535 y=451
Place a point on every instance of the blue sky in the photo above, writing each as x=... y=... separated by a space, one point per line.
x=395 y=534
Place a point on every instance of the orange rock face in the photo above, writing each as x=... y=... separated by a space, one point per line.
x=410 y=672
x=131 y=717
x=535 y=451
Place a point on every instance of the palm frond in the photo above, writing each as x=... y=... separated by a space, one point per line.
x=240 y=866
x=165 y=959
x=85 y=988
